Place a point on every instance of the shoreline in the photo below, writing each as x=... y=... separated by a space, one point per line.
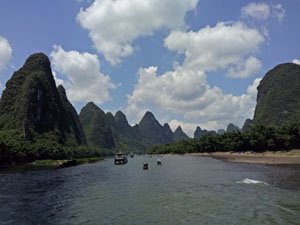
x=48 y=164
x=269 y=158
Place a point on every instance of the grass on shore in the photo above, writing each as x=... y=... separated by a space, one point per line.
x=46 y=164
x=58 y=162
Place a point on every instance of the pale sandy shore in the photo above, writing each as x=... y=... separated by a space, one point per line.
x=273 y=158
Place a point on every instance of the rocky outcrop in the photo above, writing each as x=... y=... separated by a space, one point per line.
x=232 y=128
x=129 y=138
x=32 y=107
x=221 y=132
x=71 y=117
x=247 y=125
x=199 y=132
x=179 y=134
x=168 y=133
x=278 y=96
x=96 y=126
x=152 y=130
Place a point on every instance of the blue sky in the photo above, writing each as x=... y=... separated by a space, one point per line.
x=191 y=62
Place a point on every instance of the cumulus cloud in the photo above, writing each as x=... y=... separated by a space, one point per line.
x=5 y=52
x=188 y=128
x=256 y=10
x=218 y=47
x=113 y=25
x=58 y=81
x=186 y=92
x=5 y=55
x=226 y=108
x=175 y=90
x=84 y=81
x=263 y=11
x=278 y=12
x=296 y=61
x=249 y=68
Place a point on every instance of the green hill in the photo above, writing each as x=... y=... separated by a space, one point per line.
x=129 y=138
x=179 y=134
x=278 y=97
x=96 y=127
x=35 y=120
x=153 y=131
x=71 y=116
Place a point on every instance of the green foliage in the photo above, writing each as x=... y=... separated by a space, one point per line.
x=96 y=127
x=71 y=120
x=152 y=131
x=179 y=134
x=36 y=119
x=278 y=97
x=257 y=139
x=89 y=160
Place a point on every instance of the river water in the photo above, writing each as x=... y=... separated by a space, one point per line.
x=183 y=190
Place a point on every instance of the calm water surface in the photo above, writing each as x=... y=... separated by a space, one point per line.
x=184 y=190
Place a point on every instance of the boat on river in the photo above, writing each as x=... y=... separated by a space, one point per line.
x=120 y=159
x=158 y=162
x=145 y=166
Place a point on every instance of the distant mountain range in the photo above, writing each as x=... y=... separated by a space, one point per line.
x=108 y=131
x=37 y=119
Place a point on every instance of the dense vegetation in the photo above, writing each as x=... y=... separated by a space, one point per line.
x=113 y=132
x=257 y=139
x=179 y=134
x=153 y=131
x=96 y=127
x=71 y=118
x=36 y=119
x=128 y=138
x=22 y=152
x=278 y=96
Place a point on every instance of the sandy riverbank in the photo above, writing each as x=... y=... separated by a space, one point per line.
x=279 y=158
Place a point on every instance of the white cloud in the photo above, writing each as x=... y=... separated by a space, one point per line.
x=296 y=61
x=218 y=47
x=84 y=81
x=5 y=52
x=188 y=128
x=263 y=11
x=226 y=109
x=175 y=90
x=249 y=68
x=58 y=81
x=278 y=12
x=5 y=56
x=186 y=92
x=260 y=11
x=113 y=25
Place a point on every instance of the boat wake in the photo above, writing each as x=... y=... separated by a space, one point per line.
x=250 y=181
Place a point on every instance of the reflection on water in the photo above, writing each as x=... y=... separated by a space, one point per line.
x=184 y=190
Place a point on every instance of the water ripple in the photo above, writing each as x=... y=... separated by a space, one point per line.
x=184 y=190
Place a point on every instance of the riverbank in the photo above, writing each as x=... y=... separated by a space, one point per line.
x=48 y=164
x=272 y=158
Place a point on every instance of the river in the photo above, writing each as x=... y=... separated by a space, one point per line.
x=183 y=190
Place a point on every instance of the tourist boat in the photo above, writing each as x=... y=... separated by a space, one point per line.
x=158 y=162
x=145 y=166
x=120 y=159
